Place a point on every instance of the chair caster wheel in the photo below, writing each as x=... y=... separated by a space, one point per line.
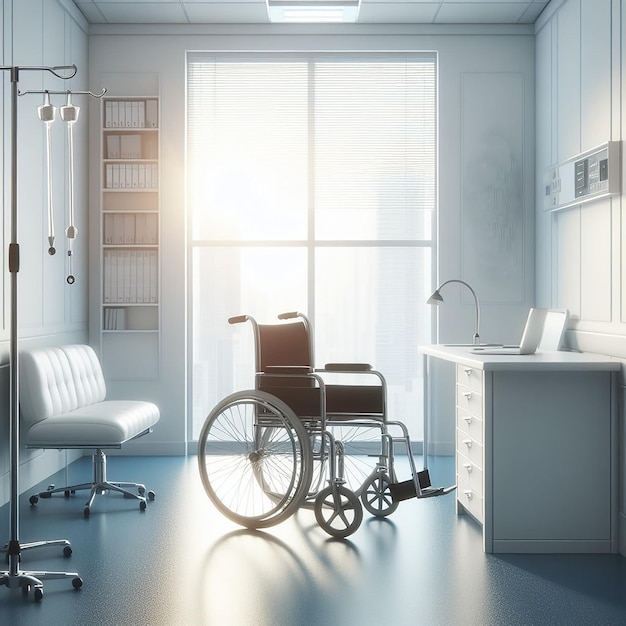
x=142 y=505
x=77 y=582
x=33 y=500
x=86 y=511
x=141 y=491
x=67 y=493
x=151 y=495
x=67 y=551
x=38 y=593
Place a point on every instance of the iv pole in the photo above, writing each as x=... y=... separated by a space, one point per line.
x=14 y=577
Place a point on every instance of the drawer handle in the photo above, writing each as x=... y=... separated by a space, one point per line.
x=467 y=395
x=468 y=467
x=468 y=419
x=468 y=371
x=467 y=442
x=468 y=494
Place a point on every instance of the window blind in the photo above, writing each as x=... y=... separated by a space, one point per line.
x=312 y=186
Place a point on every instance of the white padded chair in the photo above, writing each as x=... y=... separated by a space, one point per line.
x=63 y=406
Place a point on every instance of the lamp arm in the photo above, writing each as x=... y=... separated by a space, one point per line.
x=477 y=304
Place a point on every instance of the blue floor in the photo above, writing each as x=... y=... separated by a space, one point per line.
x=181 y=563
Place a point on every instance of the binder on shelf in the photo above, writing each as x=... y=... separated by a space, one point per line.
x=140 y=229
x=130 y=277
x=113 y=146
x=129 y=228
x=130 y=147
x=152 y=114
x=114 y=318
x=151 y=226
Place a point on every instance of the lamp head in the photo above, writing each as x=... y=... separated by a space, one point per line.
x=435 y=298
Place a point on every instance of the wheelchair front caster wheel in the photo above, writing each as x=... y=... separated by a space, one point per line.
x=33 y=500
x=338 y=511
x=376 y=496
x=77 y=582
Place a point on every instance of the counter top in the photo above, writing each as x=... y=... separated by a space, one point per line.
x=553 y=360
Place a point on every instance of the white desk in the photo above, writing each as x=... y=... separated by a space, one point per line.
x=536 y=448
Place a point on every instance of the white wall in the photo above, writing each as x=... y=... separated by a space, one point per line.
x=37 y=33
x=486 y=208
x=581 y=263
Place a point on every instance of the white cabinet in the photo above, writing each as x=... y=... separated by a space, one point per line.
x=536 y=449
x=130 y=237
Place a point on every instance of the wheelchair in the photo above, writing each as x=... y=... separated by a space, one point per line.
x=302 y=439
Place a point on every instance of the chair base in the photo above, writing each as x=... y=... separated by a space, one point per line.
x=98 y=486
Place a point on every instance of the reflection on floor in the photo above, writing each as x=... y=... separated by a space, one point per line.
x=181 y=563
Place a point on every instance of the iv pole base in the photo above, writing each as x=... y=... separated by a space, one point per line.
x=14 y=578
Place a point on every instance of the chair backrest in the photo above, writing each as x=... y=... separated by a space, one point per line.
x=59 y=379
x=554 y=329
x=283 y=344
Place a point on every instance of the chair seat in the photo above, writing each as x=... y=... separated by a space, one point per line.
x=105 y=424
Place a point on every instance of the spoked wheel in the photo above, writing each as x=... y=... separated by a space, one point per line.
x=338 y=511
x=254 y=459
x=376 y=496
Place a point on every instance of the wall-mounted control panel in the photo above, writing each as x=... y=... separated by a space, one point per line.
x=585 y=177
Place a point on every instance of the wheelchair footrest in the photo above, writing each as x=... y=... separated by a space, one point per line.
x=406 y=489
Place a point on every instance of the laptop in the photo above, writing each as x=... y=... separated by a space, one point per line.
x=533 y=331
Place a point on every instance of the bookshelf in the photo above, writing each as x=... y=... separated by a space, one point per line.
x=130 y=236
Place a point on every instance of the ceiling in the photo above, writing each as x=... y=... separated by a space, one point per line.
x=255 y=11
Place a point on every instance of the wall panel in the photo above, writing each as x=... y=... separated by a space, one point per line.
x=595 y=73
x=595 y=261
x=568 y=80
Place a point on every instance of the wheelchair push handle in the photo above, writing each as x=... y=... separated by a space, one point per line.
x=289 y=315
x=238 y=319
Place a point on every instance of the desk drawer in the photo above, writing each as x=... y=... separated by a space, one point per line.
x=470 y=377
x=469 y=473
x=470 y=424
x=469 y=448
x=470 y=500
x=469 y=400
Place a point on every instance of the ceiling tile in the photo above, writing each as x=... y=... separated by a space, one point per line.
x=142 y=12
x=224 y=12
x=481 y=12
x=397 y=12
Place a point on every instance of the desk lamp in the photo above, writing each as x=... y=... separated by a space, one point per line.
x=436 y=298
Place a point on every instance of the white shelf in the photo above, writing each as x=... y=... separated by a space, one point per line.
x=130 y=261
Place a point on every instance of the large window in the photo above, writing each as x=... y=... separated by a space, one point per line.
x=312 y=187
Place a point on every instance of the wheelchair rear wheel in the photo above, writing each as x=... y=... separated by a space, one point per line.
x=255 y=459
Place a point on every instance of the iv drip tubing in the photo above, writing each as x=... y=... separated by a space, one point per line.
x=47 y=114
x=69 y=114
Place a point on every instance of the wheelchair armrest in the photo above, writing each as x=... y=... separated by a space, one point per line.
x=347 y=367
x=288 y=370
